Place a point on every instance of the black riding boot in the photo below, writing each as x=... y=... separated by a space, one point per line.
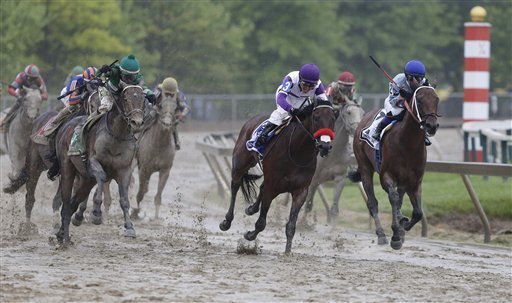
x=382 y=124
x=177 y=144
x=262 y=138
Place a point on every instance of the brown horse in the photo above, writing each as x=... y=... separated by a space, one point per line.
x=38 y=159
x=111 y=148
x=403 y=162
x=288 y=165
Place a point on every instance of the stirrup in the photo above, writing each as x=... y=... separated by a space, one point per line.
x=427 y=141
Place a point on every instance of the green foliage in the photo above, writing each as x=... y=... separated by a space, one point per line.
x=20 y=24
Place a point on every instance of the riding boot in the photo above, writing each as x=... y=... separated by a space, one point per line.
x=263 y=136
x=382 y=124
x=51 y=156
x=62 y=115
x=177 y=144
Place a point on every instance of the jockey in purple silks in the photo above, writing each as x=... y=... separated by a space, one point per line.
x=296 y=91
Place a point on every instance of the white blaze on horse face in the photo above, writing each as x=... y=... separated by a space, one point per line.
x=325 y=138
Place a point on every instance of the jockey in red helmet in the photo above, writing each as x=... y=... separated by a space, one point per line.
x=343 y=90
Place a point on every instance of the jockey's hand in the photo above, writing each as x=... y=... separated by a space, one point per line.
x=180 y=117
x=407 y=95
x=105 y=69
x=96 y=82
x=151 y=98
x=44 y=96
x=294 y=111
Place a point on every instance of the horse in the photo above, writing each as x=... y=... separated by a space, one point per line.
x=404 y=156
x=289 y=163
x=15 y=139
x=38 y=160
x=336 y=166
x=156 y=151
x=110 y=148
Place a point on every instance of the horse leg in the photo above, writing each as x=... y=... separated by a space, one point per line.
x=266 y=200
x=298 y=198
x=144 y=176
x=163 y=175
x=101 y=177
x=124 y=202
x=255 y=207
x=340 y=185
x=310 y=197
x=235 y=186
x=394 y=199
x=373 y=205
x=417 y=212
x=34 y=173
x=65 y=213
x=107 y=198
x=79 y=200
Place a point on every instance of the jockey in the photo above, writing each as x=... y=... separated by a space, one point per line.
x=408 y=81
x=76 y=71
x=77 y=86
x=296 y=89
x=128 y=71
x=29 y=77
x=169 y=89
x=343 y=90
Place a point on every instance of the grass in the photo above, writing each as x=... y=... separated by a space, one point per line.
x=441 y=194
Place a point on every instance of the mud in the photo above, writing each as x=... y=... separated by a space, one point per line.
x=184 y=257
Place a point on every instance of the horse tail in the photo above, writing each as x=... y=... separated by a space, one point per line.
x=20 y=180
x=249 y=187
x=354 y=176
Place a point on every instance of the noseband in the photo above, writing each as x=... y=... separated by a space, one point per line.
x=421 y=119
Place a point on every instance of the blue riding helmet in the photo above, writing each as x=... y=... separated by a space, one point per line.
x=309 y=73
x=415 y=68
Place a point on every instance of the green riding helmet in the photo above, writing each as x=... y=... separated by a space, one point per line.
x=129 y=65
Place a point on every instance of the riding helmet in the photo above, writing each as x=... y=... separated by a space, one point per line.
x=32 y=70
x=415 y=68
x=130 y=65
x=309 y=73
x=347 y=78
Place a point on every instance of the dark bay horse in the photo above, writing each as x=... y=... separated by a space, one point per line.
x=110 y=147
x=403 y=162
x=37 y=158
x=156 y=151
x=289 y=163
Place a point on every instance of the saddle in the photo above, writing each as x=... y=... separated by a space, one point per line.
x=250 y=144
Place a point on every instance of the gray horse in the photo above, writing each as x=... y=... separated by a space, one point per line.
x=335 y=167
x=156 y=151
x=15 y=139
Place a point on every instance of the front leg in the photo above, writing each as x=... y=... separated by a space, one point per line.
x=124 y=202
x=417 y=212
x=298 y=199
x=96 y=170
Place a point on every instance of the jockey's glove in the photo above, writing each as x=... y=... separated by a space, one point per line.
x=151 y=98
x=105 y=69
x=407 y=95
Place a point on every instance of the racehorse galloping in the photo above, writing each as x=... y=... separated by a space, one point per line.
x=37 y=159
x=16 y=138
x=403 y=162
x=111 y=148
x=156 y=151
x=288 y=165
x=336 y=166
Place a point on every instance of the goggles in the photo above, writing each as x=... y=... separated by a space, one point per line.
x=418 y=78
x=308 y=85
x=130 y=79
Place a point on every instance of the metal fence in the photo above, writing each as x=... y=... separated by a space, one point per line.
x=239 y=107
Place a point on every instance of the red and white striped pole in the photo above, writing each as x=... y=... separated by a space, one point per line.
x=477 y=52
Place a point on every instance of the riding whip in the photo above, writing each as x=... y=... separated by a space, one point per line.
x=81 y=86
x=385 y=73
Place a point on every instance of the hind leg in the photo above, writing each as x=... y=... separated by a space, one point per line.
x=298 y=198
x=107 y=198
x=335 y=210
x=79 y=200
x=101 y=178
x=255 y=207
x=261 y=223
x=226 y=224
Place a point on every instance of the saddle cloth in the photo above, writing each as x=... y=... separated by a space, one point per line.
x=367 y=133
x=39 y=137
x=250 y=144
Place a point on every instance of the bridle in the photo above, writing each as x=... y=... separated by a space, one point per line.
x=126 y=116
x=421 y=119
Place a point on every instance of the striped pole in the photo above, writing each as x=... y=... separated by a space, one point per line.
x=477 y=52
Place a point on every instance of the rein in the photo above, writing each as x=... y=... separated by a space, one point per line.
x=126 y=117
x=418 y=117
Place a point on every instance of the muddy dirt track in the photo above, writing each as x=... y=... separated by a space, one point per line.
x=184 y=257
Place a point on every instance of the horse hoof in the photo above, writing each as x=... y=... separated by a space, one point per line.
x=250 y=236
x=225 y=225
x=96 y=220
x=76 y=221
x=396 y=245
x=130 y=233
x=382 y=241
x=250 y=210
x=334 y=212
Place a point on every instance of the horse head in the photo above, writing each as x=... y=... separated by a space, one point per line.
x=350 y=115
x=323 y=121
x=424 y=108
x=31 y=100
x=132 y=105
x=166 y=110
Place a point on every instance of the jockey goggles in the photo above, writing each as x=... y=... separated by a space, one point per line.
x=129 y=79
x=308 y=85
x=418 y=78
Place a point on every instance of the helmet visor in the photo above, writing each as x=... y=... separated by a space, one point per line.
x=418 y=78
x=307 y=85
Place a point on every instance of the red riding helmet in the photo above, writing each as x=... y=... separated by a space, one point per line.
x=347 y=78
